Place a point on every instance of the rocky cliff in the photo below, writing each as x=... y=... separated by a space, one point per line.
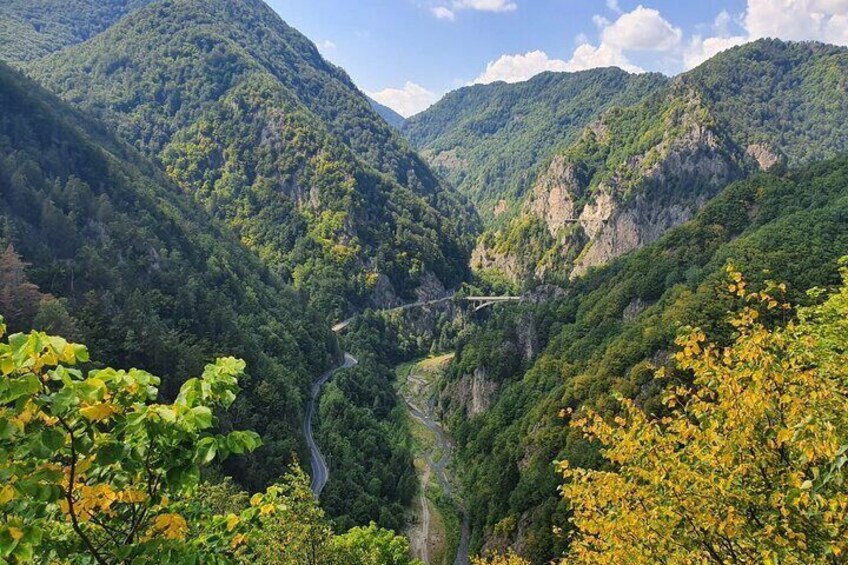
x=632 y=176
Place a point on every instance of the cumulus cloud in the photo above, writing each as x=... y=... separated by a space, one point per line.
x=517 y=68
x=643 y=29
x=823 y=20
x=797 y=20
x=700 y=49
x=326 y=46
x=646 y=30
x=406 y=101
x=443 y=13
x=486 y=5
x=588 y=56
x=521 y=67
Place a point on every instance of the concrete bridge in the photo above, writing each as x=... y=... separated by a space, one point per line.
x=480 y=302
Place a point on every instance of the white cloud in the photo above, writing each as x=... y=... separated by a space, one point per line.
x=444 y=13
x=517 y=68
x=600 y=21
x=701 y=49
x=406 y=101
x=823 y=20
x=486 y=5
x=646 y=30
x=521 y=67
x=447 y=9
x=643 y=29
x=797 y=20
x=588 y=56
x=326 y=45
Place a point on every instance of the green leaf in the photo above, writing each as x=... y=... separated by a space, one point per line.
x=202 y=416
x=241 y=442
x=18 y=388
x=53 y=439
x=207 y=448
x=110 y=453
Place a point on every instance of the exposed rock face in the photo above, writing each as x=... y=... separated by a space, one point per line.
x=552 y=195
x=430 y=287
x=765 y=157
x=528 y=337
x=449 y=160
x=485 y=258
x=473 y=393
x=695 y=166
x=600 y=207
x=632 y=311
x=383 y=295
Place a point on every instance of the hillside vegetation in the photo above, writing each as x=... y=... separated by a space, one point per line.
x=602 y=334
x=30 y=29
x=489 y=140
x=640 y=170
x=144 y=275
x=244 y=114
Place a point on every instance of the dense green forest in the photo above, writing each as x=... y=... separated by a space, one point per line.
x=33 y=28
x=605 y=331
x=489 y=140
x=789 y=97
x=362 y=428
x=244 y=113
x=142 y=274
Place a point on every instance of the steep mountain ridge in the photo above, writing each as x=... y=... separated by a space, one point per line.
x=640 y=170
x=392 y=118
x=244 y=113
x=150 y=280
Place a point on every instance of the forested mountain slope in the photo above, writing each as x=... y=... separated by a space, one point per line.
x=244 y=113
x=33 y=28
x=145 y=276
x=598 y=335
x=640 y=170
x=489 y=140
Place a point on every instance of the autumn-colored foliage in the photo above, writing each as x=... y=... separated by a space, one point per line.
x=94 y=469
x=749 y=465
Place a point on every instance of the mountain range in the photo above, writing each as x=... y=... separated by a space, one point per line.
x=634 y=171
x=186 y=179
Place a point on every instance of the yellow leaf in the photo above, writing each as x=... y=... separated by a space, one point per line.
x=16 y=533
x=99 y=412
x=7 y=494
x=232 y=522
x=171 y=526
x=267 y=509
x=238 y=540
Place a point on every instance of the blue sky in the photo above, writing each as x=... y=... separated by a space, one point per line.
x=408 y=53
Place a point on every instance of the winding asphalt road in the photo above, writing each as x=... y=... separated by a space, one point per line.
x=320 y=473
